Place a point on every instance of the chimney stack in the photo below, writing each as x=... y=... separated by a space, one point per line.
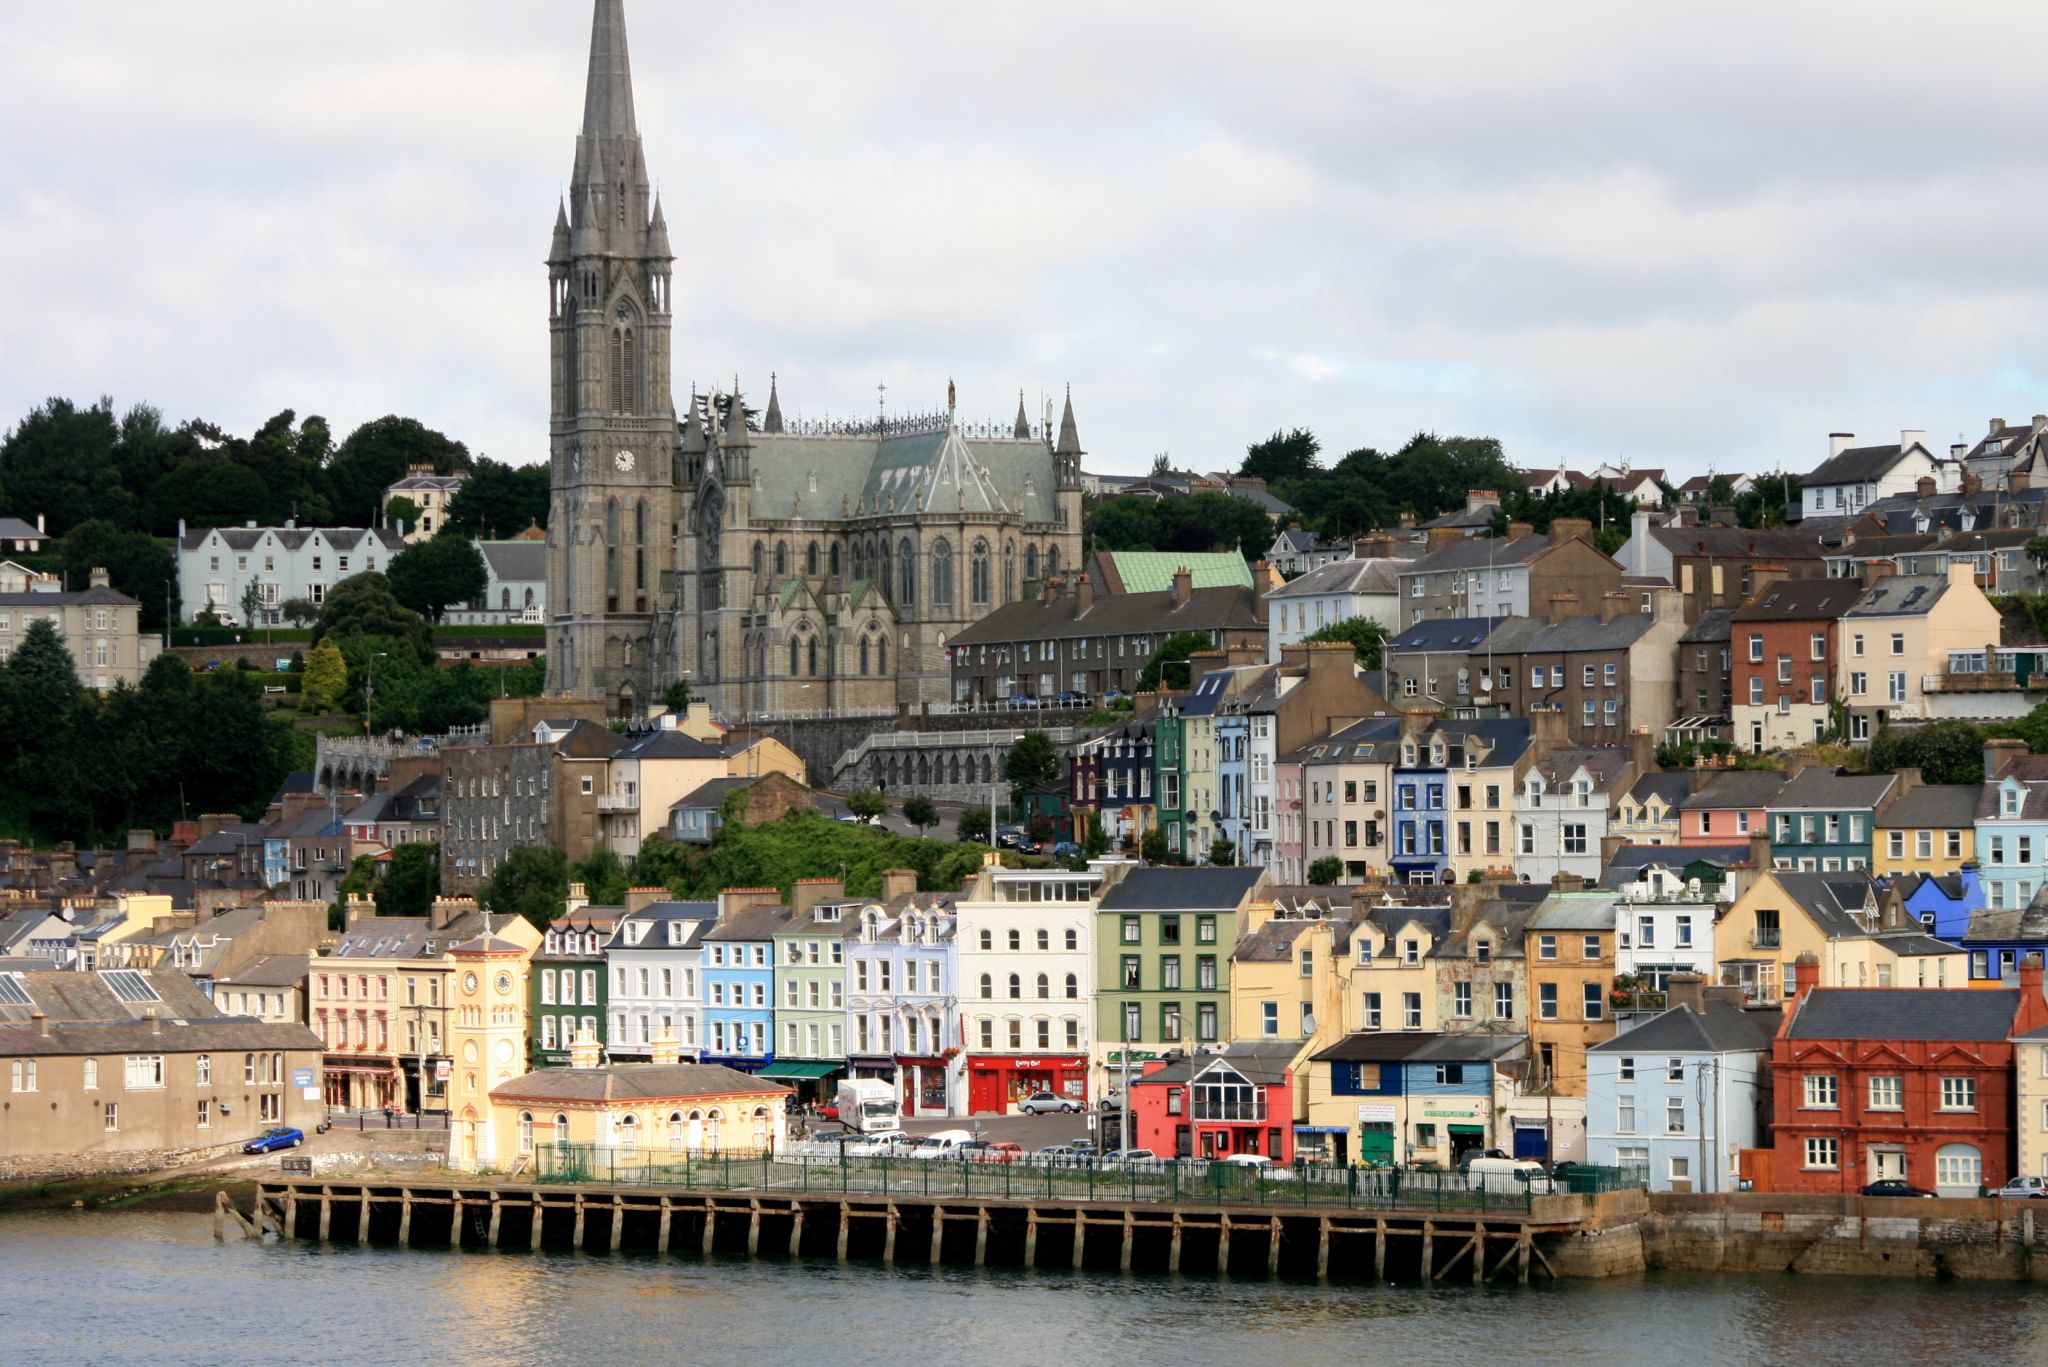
x=1686 y=989
x=1839 y=442
x=2017 y=481
x=1563 y=605
x=1563 y=529
x=1911 y=437
x=1924 y=486
x=1642 y=751
x=1439 y=537
x=1183 y=587
x=1084 y=593
x=1805 y=975
x=1874 y=569
x=1613 y=605
x=99 y=578
x=1519 y=530
x=663 y=1048
x=897 y=884
x=639 y=899
x=1723 y=516
x=1998 y=752
x=42 y=1021
x=584 y=1053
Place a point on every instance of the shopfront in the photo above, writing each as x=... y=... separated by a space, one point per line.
x=813 y=1081
x=924 y=1088
x=1444 y=1128
x=997 y=1082
x=364 y=1086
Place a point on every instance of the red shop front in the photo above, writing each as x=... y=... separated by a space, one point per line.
x=997 y=1082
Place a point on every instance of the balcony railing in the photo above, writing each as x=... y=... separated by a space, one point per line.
x=1764 y=939
x=617 y=802
x=1989 y=681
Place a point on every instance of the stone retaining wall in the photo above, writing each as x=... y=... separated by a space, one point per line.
x=1848 y=1236
x=66 y=1167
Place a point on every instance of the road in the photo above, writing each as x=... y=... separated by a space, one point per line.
x=832 y=804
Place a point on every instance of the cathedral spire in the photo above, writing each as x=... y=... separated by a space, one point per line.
x=772 y=421
x=1023 y=427
x=608 y=92
x=1070 y=438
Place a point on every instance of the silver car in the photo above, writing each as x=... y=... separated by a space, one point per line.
x=1046 y=1103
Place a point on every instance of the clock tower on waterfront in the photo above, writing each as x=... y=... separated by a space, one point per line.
x=612 y=424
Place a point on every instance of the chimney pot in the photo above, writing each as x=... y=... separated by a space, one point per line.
x=1839 y=442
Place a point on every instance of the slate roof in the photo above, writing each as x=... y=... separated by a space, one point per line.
x=1755 y=542
x=1444 y=634
x=1603 y=763
x=1673 y=788
x=1734 y=788
x=711 y=794
x=1378 y=575
x=1856 y=465
x=1904 y=1013
x=1712 y=628
x=90 y=998
x=1172 y=889
x=1801 y=600
x=1114 y=614
x=1575 y=911
x=1573 y=635
x=516 y=560
x=1406 y=1046
x=1681 y=1030
x=1263 y=1063
x=751 y=924
x=79 y=598
x=1829 y=899
x=1630 y=861
x=1935 y=804
x=1374 y=738
x=271 y=970
x=223 y=1034
x=634 y=1082
x=2009 y=925
x=1901 y=595
x=1486 y=552
x=291 y=538
x=1820 y=789
x=14 y=529
x=663 y=743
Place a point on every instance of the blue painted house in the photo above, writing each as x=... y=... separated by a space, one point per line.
x=2012 y=825
x=1944 y=903
x=1999 y=939
x=1421 y=784
x=1678 y=1096
x=739 y=986
x=1822 y=820
x=1408 y=1098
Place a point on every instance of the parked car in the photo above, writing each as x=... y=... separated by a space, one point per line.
x=1023 y=700
x=274 y=1138
x=1113 y=1099
x=1028 y=846
x=1130 y=1156
x=1057 y=1153
x=1113 y=695
x=1085 y=1148
x=1009 y=836
x=1465 y=1159
x=1045 y=1103
x=2027 y=1187
x=1000 y=1151
x=1069 y=698
x=1066 y=849
x=941 y=1144
x=1893 y=1186
x=886 y=1144
x=1259 y=1164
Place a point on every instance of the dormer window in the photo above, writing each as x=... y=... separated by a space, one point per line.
x=1408 y=753
x=1968 y=519
x=1920 y=522
x=2009 y=801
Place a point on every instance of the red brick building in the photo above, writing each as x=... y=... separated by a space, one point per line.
x=1890 y=1082
x=1785 y=643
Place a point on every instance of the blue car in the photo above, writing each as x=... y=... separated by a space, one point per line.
x=274 y=1138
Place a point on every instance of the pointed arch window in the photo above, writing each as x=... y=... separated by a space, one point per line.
x=625 y=367
x=811 y=650
x=835 y=560
x=907 y=573
x=1052 y=561
x=942 y=573
x=1009 y=573
x=811 y=560
x=978 y=575
x=863 y=654
x=760 y=554
x=1030 y=564
x=881 y=655
x=795 y=648
x=781 y=559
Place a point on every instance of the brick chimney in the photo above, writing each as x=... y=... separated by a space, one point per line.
x=1436 y=538
x=1407 y=522
x=1760 y=849
x=1183 y=587
x=1563 y=529
x=1686 y=989
x=1971 y=483
x=99 y=578
x=359 y=909
x=1723 y=516
x=2017 y=482
x=1924 y=486
x=1762 y=577
x=898 y=884
x=446 y=911
x=1084 y=593
x=1563 y=605
x=1613 y=605
x=1548 y=729
x=1466 y=900
x=1998 y=752
x=807 y=894
x=1873 y=569
x=1642 y=751
x=1805 y=974
x=1519 y=530
x=42 y=1021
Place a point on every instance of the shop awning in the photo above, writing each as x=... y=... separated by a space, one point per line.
x=1320 y=1129
x=780 y=1068
x=1465 y=1129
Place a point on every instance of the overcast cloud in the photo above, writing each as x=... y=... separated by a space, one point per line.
x=1684 y=236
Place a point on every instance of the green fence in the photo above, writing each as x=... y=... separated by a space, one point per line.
x=1171 y=1183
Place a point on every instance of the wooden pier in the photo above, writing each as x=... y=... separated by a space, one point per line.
x=1309 y=1243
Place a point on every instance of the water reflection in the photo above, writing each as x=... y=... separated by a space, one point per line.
x=140 y=1288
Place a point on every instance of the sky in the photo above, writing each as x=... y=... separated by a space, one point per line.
x=1692 y=237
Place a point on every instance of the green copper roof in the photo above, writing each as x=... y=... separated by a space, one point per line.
x=1152 y=571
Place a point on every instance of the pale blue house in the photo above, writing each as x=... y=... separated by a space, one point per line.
x=739 y=987
x=2012 y=828
x=1676 y=1098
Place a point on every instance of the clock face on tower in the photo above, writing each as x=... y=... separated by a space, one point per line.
x=624 y=460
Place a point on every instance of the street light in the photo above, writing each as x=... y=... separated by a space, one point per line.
x=370 y=692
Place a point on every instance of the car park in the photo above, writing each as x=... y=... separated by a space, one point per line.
x=275 y=1138
x=1047 y=1103
x=886 y=1144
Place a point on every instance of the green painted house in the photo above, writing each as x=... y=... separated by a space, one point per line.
x=1163 y=938
x=1823 y=821
x=569 y=988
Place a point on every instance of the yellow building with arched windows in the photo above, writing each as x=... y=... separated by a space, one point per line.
x=486 y=1033
x=600 y=1118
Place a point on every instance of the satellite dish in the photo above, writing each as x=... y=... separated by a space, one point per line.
x=1486 y=683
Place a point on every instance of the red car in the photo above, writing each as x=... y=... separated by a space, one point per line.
x=1002 y=1152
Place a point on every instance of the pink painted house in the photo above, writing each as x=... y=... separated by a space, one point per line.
x=1726 y=806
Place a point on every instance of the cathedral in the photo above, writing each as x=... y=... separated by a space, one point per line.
x=778 y=568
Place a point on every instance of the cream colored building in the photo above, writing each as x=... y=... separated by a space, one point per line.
x=432 y=494
x=101 y=628
x=486 y=1032
x=2030 y=1102
x=1902 y=631
x=1839 y=918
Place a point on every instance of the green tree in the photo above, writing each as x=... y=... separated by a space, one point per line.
x=663 y=862
x=1096 y=844
x=532 y=882
x=412 y=880
x=499 y=500
x=136 y=564
x=1153 y=847
x=251 y=604
x=866 y=803
x=1326 y=871
x=1168 y=667
x=1033 y=759
x=603 y=876
x=2037 y=551
x=59 y=463
x=1764 y=505
x=677 y=697
x=42 y=666
x=362 y=605
x=402 y=513
x=1365 y=636
x=431 y=576
x=1284 y=455
x=1222 y=853
x=919 y=812
x=1943 y=752
x=326 y=679
x=300 y=612
x=376 y=455
x=973 y=826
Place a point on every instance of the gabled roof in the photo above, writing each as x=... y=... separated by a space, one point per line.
x=1901 y=595
x=1113 y=614
x=1263 y=1063
x=634 y=1082
x=664 y=743
x=1672 y=788
x=516 y=561
x=1575 y=911
x=1681 y=1030
x=1444 y=634
x=1713 y=627
x=1820 y=789
x=1734 y=789
x=1735 y=542
x=1934 y=805
x=1860 y=464
x=1153 y=571
x=1800 y=600
x=1519 y=635
x=1904 y=1013
x=1378 y=575
x=1486 y=552
x=1840 y=904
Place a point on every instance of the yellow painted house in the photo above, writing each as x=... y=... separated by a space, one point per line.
x=487 y=1042
x=1930 y=829
x=1860 y=940
x=600 y=1119
x=1289 y=971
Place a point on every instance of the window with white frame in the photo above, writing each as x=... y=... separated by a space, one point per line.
x=1887 y=1093
x=1823 y=1090
x=1822 y=1153
x=1959 y=1094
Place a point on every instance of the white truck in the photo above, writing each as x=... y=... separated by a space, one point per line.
x=868 y=1105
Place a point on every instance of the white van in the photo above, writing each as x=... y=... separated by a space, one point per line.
x=940 y=1144
x=1508 y=1177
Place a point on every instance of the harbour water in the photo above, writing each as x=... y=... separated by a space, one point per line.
x=98 y=1287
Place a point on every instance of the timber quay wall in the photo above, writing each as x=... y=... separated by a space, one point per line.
x=1382 y=1245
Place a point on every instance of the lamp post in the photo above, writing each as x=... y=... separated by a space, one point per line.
x=370 y=692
